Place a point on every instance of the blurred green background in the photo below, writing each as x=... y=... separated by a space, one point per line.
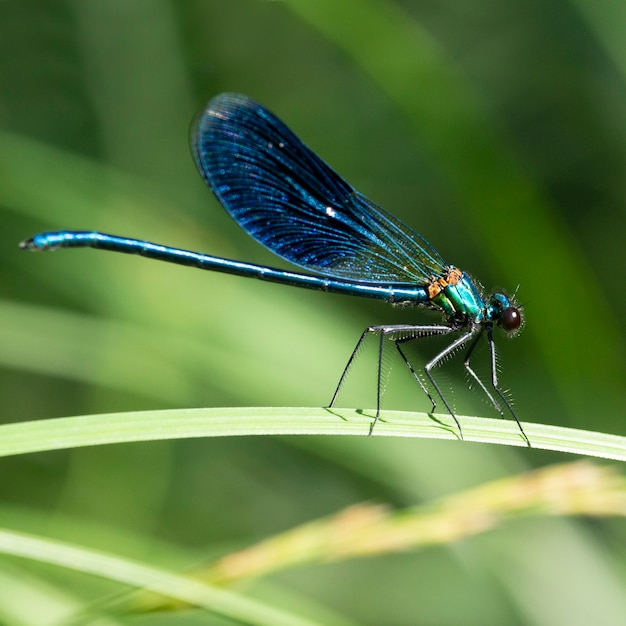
x=495 y=129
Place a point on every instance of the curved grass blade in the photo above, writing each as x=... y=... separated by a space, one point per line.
x=90 y=430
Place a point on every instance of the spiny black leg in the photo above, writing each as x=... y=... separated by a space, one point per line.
x=381 y=347
x=385 y=332
x=475 y=376
x=494 y=382
x=367 y=331
x=413 y=372
x=436 y=361
x=390 y=331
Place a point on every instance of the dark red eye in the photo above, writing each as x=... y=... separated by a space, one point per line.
x=511 y=319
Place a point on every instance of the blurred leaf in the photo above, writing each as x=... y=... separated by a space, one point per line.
x=579 y=488
x=143 y=576
x=607 y=18
x=28 y=600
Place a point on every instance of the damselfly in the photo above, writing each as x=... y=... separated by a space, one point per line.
x=293 y=203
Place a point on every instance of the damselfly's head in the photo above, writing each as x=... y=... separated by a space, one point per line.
x=504 y=313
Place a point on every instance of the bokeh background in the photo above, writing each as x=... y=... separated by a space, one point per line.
x=496 y=129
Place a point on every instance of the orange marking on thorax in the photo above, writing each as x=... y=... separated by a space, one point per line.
x=439 y=284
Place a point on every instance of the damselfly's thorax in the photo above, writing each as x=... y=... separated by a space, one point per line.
x=456 y=295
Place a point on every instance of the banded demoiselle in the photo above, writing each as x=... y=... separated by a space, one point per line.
x=293 y=203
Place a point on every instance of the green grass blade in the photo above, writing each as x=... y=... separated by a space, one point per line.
x=30 y=600
x=142 y=576
x=90 y=430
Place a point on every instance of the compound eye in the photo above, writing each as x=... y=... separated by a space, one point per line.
x=511 y=319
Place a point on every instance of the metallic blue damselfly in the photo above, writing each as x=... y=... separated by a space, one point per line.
x=293 y=203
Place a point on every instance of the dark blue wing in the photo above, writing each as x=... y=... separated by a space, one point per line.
x=289 y=200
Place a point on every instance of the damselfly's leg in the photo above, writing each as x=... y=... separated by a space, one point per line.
x=463 y=339
x=379 y=381
x=346 y=369
x=475 y=376
x=383 y=331
x=496 y=387
x=408 y=333
x=417 y=335
x=415 y=375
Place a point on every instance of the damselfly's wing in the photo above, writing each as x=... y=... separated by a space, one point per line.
x=288 y=199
